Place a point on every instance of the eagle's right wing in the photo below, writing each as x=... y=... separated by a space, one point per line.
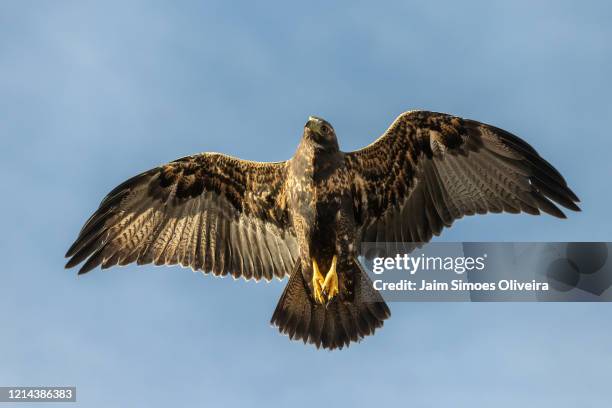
x=210 y=212
x=429 y=169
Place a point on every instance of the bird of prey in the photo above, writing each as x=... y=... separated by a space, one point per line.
x=308 y=216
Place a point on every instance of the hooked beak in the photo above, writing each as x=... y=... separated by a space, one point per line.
x=314 y=124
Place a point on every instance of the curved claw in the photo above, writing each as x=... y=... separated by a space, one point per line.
x=317 y=283
x=330 y=285
x=324 y=290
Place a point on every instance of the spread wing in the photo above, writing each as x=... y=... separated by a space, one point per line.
x=210 y=212
x=429 y=169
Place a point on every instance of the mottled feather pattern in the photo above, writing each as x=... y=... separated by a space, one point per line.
x=186 y=213
x=433 y=168
x=226 y=216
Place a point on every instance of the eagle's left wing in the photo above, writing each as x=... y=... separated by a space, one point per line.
x=429 y=169
x=210 y=212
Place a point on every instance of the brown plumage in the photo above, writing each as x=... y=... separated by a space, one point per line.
x=223 y=215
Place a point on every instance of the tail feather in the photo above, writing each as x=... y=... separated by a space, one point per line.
x=332 y=326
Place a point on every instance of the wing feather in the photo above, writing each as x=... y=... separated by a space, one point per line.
x=210 y=212
x=429 y=169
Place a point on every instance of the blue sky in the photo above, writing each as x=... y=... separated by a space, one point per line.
x=94 y=92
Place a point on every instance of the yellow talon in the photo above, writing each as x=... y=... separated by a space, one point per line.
x=317 y=283
x=330 y=286
x=324 y=289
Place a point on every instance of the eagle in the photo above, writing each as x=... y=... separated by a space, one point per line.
x=308 y=217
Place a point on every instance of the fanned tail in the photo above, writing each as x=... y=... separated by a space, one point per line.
x=335 y=325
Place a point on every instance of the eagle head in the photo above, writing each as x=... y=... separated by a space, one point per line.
x=320 y=132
